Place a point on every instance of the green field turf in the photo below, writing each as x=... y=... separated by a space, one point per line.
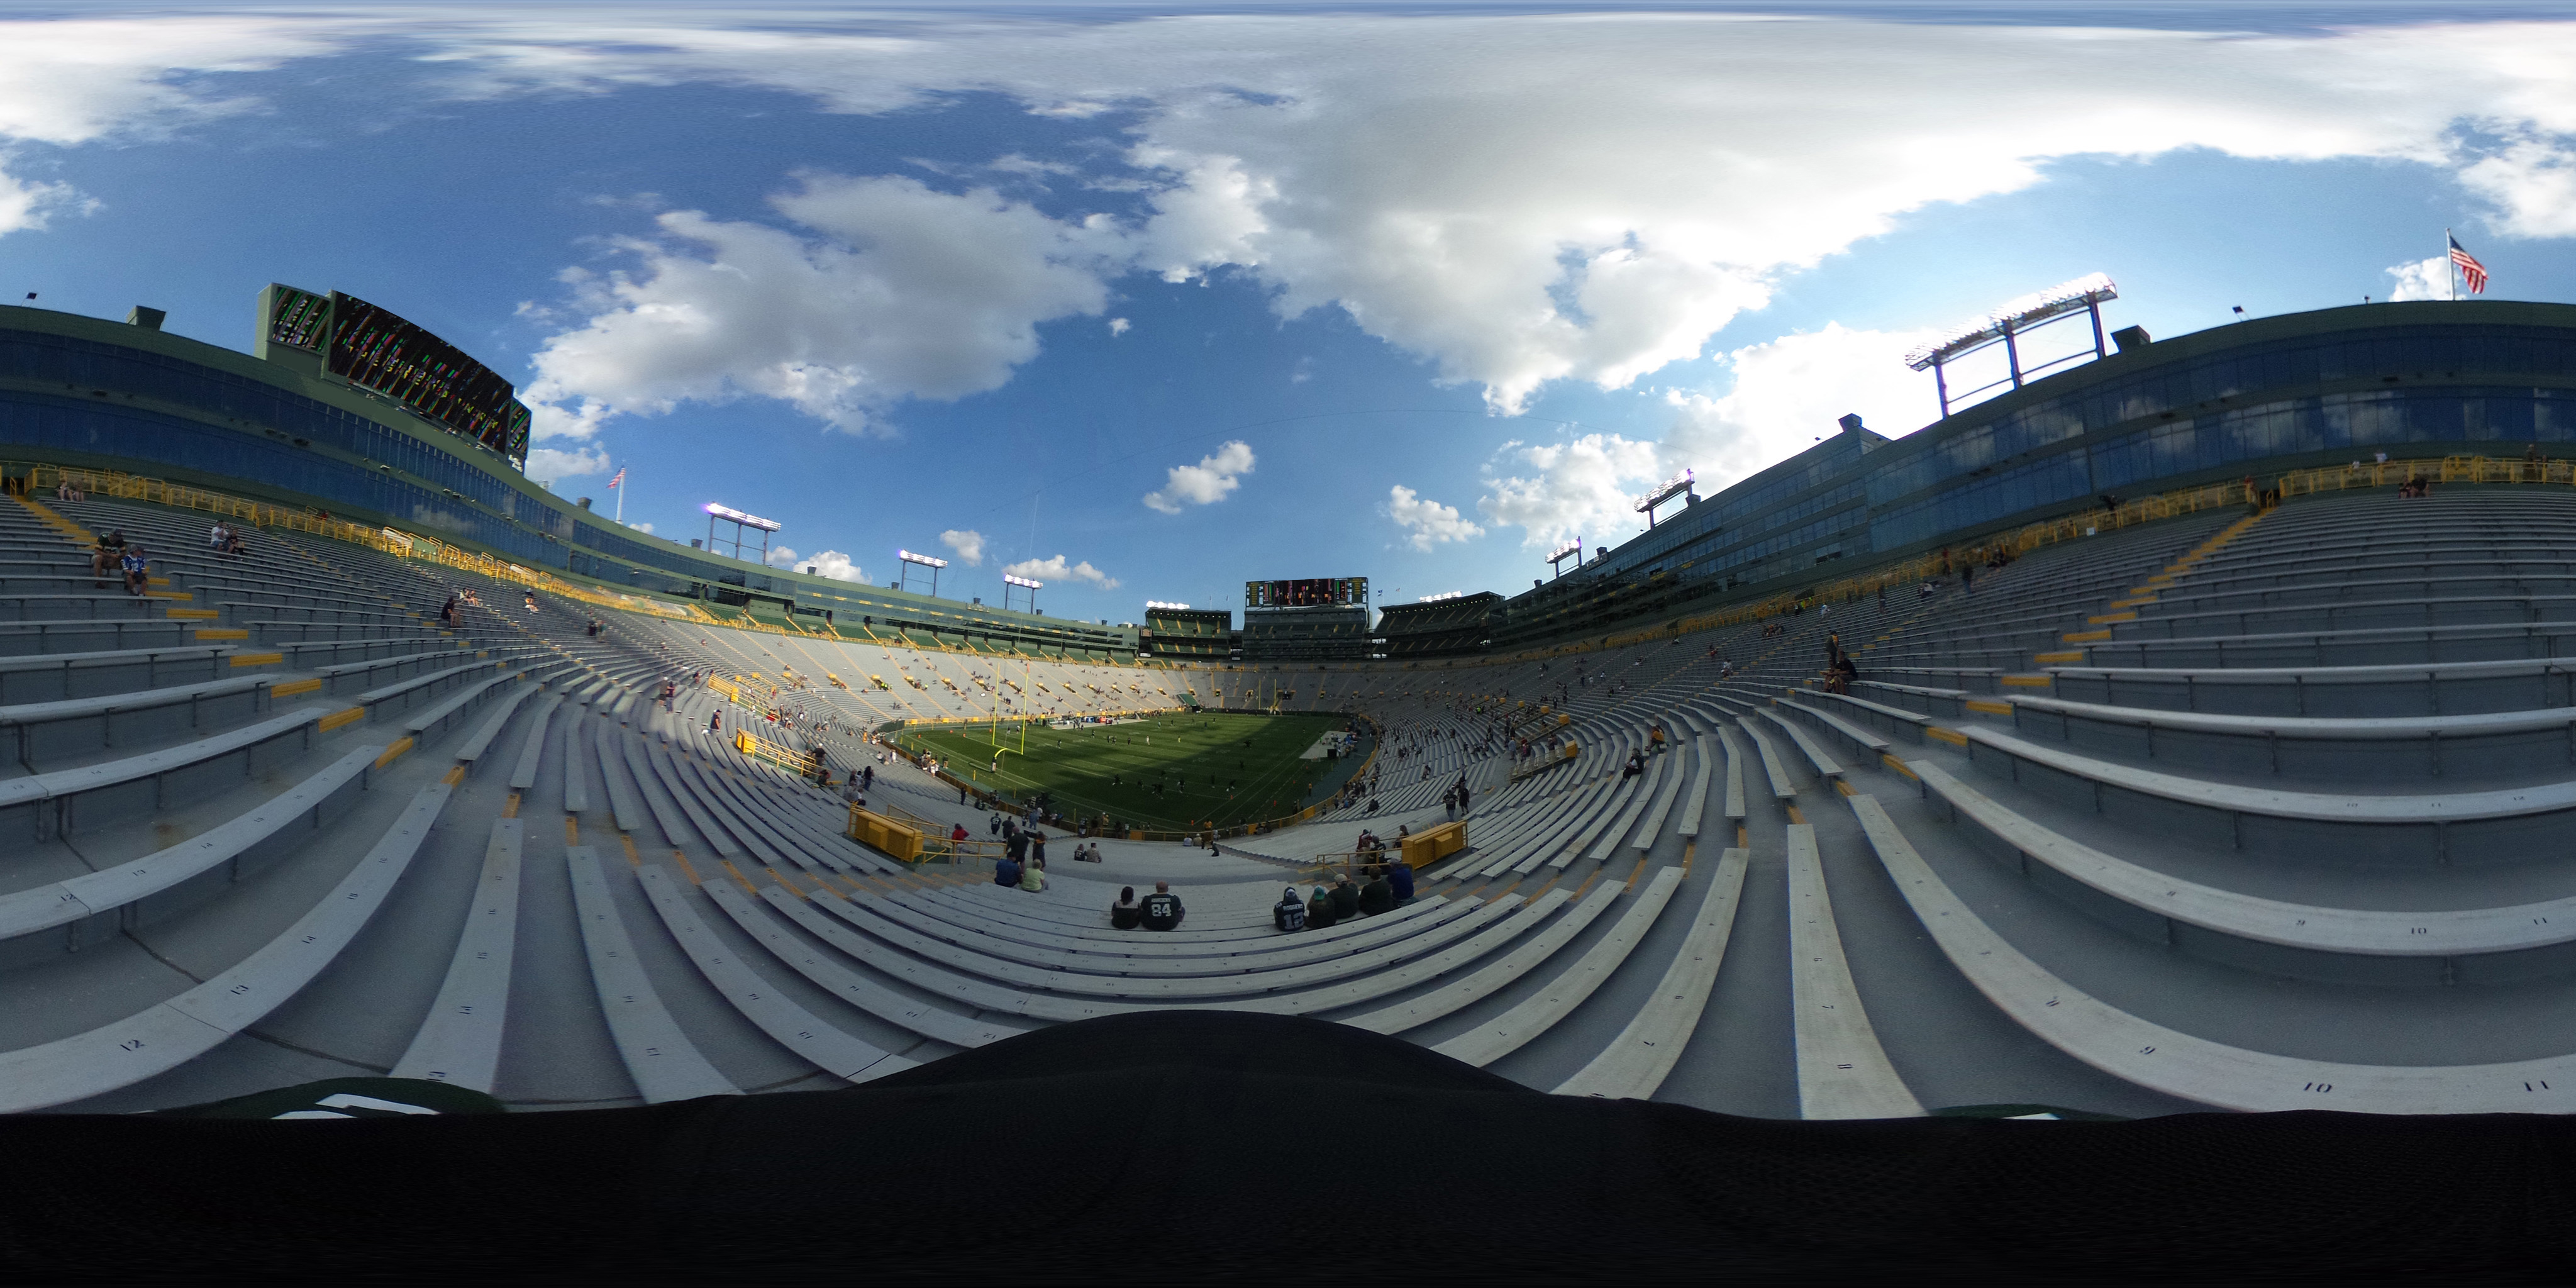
x=1208 y=776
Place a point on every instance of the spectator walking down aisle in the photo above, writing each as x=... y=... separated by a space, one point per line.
x=1163 y=909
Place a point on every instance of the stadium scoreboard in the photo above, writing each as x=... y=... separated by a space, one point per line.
x=1307 y=592
x=376 y=349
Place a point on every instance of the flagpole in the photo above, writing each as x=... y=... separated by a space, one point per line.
x=2450 y=267
x=621 y=498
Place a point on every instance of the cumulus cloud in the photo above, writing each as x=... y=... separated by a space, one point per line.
x=1119 y=326
x=546 y=464
x=645 y=528
x=1787 y=394
x=1791 y=391
x=825 y=563
x=1057 y=569
x=1518 y=199
x=82 y=80
x=1589 y=196
x=2425 y=279
x=1580 y=488
x=883 y=289
x=969 y=545
x=1205 y=483
x=2532 y=184
x=1426 y=522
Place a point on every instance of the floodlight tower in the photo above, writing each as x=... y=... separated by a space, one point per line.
x=1680 y=484
x=740 y=522
x=1570 y=550
x=1009 y=581
x=2007 y=323
x=908 y=561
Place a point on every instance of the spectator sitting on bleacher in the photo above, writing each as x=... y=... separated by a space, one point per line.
x=1346 y=898
x=1636 y=765
x=1163 y=909
x=1399 y=875
x=1126 y=913
x=1290 y=912
x=137 y=571
x=109 y=550
x=1320 y=913
x=1033 y=877
x=1377 y=896
x=1006 y=871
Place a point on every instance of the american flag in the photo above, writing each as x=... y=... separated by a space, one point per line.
x=2455 y=251
x=2471 y=271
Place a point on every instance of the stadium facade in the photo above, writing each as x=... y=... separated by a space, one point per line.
x=86 y=392
x=2287 y=392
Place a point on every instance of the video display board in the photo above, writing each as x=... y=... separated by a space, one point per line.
x=376 y=348
x=1306 y=592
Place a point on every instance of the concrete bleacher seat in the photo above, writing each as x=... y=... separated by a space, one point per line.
x=2275 y=841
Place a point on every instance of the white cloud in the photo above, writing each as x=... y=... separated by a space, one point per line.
x=1205 y=483
x=1426 y=522
x=1517 y=198
x=1056 y=569
x=2532 y=183
x=825 y=563
x=1792 y=391
x=1527 y=198
x=645 y=528
x=2427 y=279
x=546 y=464
x=969 y=545
x=77 y=81
x=1119 y=326
x=1582 y=488
x=885 y=290
x=1788 y=393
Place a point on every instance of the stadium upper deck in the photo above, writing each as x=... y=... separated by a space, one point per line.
x=2254 y=397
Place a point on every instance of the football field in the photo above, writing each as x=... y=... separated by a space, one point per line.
x=1168 y=773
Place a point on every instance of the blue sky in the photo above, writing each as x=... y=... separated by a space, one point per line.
x=1171 y=299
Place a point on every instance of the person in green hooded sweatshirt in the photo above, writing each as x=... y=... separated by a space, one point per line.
x=1320 y=912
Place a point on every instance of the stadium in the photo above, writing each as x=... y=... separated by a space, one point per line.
x=2204 y=746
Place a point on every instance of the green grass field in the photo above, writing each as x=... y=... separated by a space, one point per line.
x=1170 y=773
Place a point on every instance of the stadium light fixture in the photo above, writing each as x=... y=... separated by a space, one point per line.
x=1010 y=580
x=2010 y=319
x=906 y=561
x=1678 y=485
x=1570 y=550
x=1032 y=585
x=1446 y=594
x=740 y=521
x=1156 y=603
x=746 y=520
